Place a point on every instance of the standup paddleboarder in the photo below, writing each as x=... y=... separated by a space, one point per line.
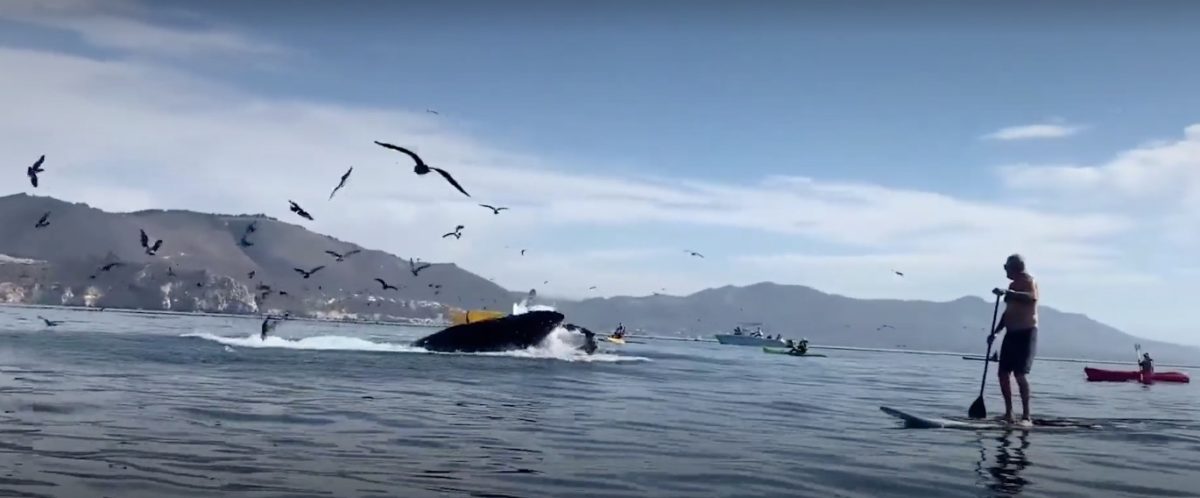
x=1020 y=342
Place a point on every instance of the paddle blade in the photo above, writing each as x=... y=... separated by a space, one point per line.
x=977 y=409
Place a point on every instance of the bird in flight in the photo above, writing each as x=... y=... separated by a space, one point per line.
x=421 y=168
x=898 y=273
x=33 y=171
x=105 y=268
x=42 y=222
x=457 y=233
x=592 y=288
x=495 y=210
x=50 y=323
x=885 y=326
x=342 y=257
x=170 y=271
x=341 y=183
x=250 y=275
x=308 y=273
x=431 y=111
x=251 y=228
x=415 y=268
x=385 y=284
x=151 y=249
x=693 y=253
x=522 y=252
x=300 y=211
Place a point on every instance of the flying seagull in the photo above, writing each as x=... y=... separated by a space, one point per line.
x=421 y=168
x=33 y=171
x=457 y=233
x=898 y=273
x=385 y=284
x=170 y=271
x=431 y=111
x=42 y=223
x=495 y=210
x=250 y=275
x=300 y=211
x=341 y=183
x=342 y=257
x=693 y=253
x=308 y=273
x=50 y=323
x=150 y=249
x=592 y=288
x=251 y=228
x=522 y=252
x=415 y=268
x=105 y=268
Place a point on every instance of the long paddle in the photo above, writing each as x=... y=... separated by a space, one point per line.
x=978 y=409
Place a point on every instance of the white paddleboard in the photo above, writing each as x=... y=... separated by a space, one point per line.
x=915 y=421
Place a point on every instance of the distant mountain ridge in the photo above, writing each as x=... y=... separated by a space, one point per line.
x=202 y=267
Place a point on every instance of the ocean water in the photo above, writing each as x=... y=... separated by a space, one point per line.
x=124 y=405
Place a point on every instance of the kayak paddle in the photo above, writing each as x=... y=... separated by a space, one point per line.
x=978 y=410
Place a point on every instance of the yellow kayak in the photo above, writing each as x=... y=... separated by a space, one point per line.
x=459 y=317
x=615 y=340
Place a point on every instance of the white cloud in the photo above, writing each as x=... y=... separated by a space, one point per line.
x=1033 y=131
x=1162 y=171
x=125 y=26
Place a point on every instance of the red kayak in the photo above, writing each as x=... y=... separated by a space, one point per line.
x=1098 y=375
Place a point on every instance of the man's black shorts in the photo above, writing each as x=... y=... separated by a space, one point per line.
x=1016 y=354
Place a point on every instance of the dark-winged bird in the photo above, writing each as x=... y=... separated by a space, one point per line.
x=421 y=168
x=385 y=284
x=457 y=233
x=693 y=253
x=898 y=273
x=308 y=273
x=150 y=249
x=342 y=257
x=341 y=183
x=170 y=271
x=300 y=211
x=522 y=252
x=250 y=275
x=495 y=210
x=105 y=268
x=251 y=228
x=33 y=171
x=42 y=222
x=415 y=268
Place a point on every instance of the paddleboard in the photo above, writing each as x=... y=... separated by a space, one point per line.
x=915 y=421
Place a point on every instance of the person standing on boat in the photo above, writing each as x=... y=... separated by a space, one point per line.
x=1146 y=365
x=1020 y=319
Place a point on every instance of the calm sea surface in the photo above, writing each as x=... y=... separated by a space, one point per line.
x=123 y=405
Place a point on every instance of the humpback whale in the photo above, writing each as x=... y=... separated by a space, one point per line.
x=500 y=334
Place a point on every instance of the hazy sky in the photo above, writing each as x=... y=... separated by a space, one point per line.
x=813 y=143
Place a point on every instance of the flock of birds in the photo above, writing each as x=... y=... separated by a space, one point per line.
x=420 y=167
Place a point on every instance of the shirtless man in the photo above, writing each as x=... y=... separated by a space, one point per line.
x=1020 y=343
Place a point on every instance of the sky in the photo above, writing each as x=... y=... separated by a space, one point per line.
x=818 y=143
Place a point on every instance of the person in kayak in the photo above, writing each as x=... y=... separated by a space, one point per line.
x=1020 y=319
x=801 y=348
x=619 y=333
x=1146 y=365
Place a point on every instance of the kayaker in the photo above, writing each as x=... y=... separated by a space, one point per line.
x=1146 y=365
x=1020 y=319
x=619 y=333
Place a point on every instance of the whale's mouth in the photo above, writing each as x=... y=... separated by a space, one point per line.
x=501 y=334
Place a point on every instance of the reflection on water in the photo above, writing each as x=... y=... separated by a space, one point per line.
x=1002 y=472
